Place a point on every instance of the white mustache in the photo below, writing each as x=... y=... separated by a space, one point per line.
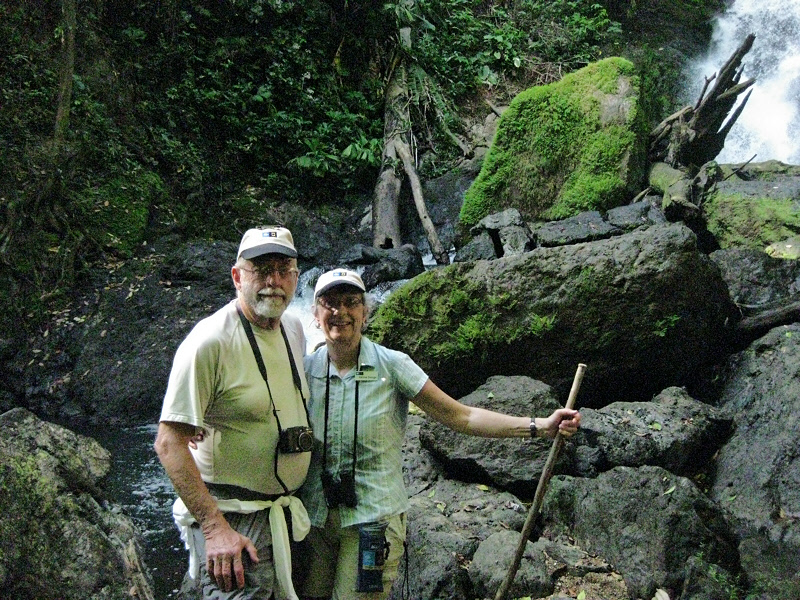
x=272 y=292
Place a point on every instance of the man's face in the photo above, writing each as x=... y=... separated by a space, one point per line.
x=267 y=284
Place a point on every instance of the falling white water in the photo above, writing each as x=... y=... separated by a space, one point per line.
x=769 y=126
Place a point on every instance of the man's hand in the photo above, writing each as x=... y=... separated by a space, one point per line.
x=563 y=420
x=224 y=548
x=224 y=545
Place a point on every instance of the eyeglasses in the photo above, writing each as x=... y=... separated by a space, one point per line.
x=264 y=271
x=339 y=302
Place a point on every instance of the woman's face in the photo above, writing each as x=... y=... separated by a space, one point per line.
x=341 y=314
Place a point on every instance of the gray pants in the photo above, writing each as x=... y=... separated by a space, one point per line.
x=259 y=579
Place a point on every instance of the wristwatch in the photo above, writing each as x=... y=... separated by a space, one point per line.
x=534 y=429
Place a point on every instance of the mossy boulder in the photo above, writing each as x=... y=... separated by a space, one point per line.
x=117 y=211
x=59 y=538
x=644 y=311
x=560 y=149
x=758 y=209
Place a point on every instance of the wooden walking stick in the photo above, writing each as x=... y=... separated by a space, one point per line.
x=547 y=472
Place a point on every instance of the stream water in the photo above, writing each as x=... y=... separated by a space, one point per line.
x=769 y=126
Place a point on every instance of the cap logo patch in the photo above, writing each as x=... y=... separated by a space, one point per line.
x=269 y=234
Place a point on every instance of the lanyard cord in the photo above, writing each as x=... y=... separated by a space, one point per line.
x=248 y=329
x=355 y=420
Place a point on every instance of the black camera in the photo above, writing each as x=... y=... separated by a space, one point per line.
x=339 y=491
x=296 y=439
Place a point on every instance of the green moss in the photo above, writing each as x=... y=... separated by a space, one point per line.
x=27 y=501
x=116 y=211
x=559 y=149
x=453 y=315
x=745 y=222
x=663 y=177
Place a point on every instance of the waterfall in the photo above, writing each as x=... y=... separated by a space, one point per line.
x=769 y=126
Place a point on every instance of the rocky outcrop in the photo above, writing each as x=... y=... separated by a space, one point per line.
x=673 y=431
x=504 y=463
x=635 y=520
x=645 y=521
x=59 y=538
x=758 y=471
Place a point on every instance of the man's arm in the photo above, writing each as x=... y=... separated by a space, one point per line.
x=224 y=545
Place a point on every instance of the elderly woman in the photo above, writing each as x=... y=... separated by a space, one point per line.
x=354 y=491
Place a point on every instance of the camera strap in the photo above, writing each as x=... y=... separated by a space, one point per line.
x=248 y=330
x=355 y=419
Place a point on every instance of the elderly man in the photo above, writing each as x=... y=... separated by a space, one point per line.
x=233 y=434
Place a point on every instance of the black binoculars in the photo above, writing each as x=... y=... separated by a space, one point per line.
x=339 y=491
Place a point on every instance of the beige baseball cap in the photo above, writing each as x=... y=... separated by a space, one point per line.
x=269 y=240
x=331 y=279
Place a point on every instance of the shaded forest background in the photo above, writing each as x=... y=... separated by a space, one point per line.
x=125 y=121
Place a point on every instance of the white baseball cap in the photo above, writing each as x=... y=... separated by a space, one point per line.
x=269 y=240
x=336 y=277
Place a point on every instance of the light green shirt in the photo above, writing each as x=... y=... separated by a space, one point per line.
x=382 y=415
x=215 y=384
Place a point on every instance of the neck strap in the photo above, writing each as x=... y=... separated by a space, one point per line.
x=248 y=329
x=355 y=418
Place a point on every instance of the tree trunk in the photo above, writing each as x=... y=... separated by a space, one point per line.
x=68 y=9
x=396 y=130
x=385 y=202
x=44 y=200
x=695 y=135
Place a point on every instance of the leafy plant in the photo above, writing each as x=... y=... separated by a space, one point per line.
x=665 y=324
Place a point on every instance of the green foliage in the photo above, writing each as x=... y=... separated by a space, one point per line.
x=177 y=107
x=115 y=213
x=471 y=44
x=666 y=324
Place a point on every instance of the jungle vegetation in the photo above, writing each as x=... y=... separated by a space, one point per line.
x=124 y=120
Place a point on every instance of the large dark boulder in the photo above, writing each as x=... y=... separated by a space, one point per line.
x=758 y=470
x=757 y=280
x=546 y=566
x=673 y=431
x=649 y=523
x=644 y=311
x=59 y=539
x=510 y=464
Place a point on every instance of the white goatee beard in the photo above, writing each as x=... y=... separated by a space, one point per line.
x=269 y=308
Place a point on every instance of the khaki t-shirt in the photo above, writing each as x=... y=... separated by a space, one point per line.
x=215 y=384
